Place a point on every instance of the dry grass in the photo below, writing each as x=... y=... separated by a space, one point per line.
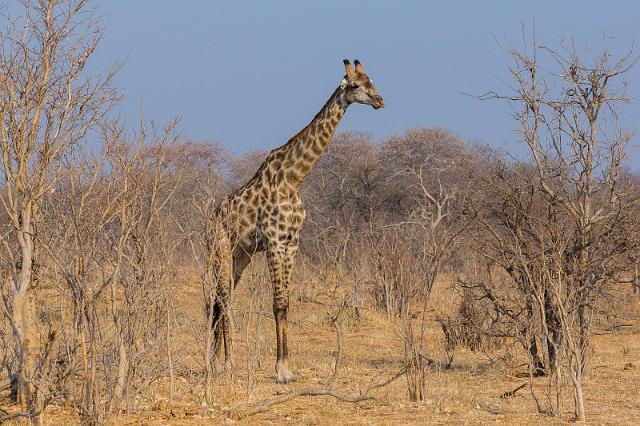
x=467 y=393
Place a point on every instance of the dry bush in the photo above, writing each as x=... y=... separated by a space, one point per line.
x=476 y=326
x=398 y=278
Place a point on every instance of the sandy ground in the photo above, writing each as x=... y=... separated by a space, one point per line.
x=467 y=393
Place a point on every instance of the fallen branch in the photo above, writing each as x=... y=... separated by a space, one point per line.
x=6 y=416
x=262 y=406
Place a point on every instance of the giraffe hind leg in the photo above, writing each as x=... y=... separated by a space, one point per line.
x=221 y=274
x=222 y=333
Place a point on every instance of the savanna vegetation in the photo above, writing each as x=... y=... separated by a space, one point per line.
x=437 y=280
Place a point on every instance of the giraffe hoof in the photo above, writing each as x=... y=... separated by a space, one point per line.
x=285 y=379
x=283 y=375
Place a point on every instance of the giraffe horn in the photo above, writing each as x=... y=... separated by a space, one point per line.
x=359 y=67
x=350 y=71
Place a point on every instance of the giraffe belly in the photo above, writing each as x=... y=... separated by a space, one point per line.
x=252 y=241
x=282 y=226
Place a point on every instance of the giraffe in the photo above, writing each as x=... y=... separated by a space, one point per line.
x=266 y=214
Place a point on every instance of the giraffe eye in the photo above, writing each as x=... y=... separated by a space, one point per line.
x=354 y=85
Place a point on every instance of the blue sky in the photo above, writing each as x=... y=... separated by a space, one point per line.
x=250 y=74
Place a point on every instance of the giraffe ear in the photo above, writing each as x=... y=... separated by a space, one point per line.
x=344 y=83
x=359 y=67
x=351 y=73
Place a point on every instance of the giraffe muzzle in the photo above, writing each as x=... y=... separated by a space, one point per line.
x=378 y=102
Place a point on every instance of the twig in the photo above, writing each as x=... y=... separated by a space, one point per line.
x=511 y=394
x=388 y=382
x=336 y=365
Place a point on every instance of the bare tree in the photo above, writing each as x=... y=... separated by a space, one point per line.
x=566 y=108
x=47 y=106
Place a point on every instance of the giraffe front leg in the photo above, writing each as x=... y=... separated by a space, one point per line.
x=283 y=373
x=280 y=260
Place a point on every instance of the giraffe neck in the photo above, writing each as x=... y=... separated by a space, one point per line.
x=305 y=148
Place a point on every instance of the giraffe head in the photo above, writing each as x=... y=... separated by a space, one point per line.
x=358 y=87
